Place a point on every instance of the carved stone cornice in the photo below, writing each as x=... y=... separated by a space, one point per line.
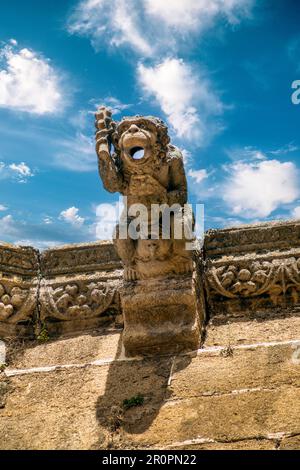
x=256 y=238
x=253 y=267
x=247 y=270
x=79 y=286
x=85 y=257
x=22 y=261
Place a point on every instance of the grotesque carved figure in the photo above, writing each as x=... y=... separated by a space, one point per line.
x=147 y=169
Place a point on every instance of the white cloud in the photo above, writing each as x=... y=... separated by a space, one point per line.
x=72 y=217
x=178 y=90
x=154 y=29
x=115 y=22
x=198 y=175
x=3 y=208
x=149 y=26
x=291 y=147
x=256 y=189
x=247 y=153
x=296 y=212
x=20 y=172
x=187 y=157
x=28 y=82
x=190 y=15
x=114 y=104
x=126 y=24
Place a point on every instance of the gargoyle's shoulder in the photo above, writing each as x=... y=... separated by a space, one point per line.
x=174 y=154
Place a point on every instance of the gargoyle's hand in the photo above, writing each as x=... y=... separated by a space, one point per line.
x=105 y=128
x=103 y=118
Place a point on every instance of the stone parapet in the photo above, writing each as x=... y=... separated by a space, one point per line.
x=61 y=290
x=79 y=287
x=252 y=269
x=249 y=272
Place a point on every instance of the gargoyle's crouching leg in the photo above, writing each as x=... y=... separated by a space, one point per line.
x=125 y=248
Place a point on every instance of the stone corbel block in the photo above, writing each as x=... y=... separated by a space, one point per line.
x=163 y=315
x=19 y=279
x=79 y=287
x=253 y=269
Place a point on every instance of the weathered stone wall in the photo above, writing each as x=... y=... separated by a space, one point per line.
x=239 y=391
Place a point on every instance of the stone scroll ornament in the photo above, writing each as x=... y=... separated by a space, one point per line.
x=77 y=300
x=274 y=278
x=17 y=301
x=18 y=290
x=136 y=159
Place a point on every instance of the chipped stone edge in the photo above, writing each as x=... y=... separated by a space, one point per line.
x=2 y=352
x=206 y=440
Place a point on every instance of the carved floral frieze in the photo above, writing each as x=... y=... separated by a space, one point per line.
x=77 y=299
x=17 y=301
x=245 y=279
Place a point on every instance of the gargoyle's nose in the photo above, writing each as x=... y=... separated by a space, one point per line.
x=133 y=128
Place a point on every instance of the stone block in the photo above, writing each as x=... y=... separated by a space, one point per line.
x=226 y=418
x=290 y=443
x=103 y=344
x=213 y=373
x=162 y=316
x=257 y=330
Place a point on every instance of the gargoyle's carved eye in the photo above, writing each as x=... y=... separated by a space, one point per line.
x=137 y=153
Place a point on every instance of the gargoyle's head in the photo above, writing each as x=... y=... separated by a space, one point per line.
x=139 y=138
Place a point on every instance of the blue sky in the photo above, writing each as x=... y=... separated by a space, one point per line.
x=218 y=72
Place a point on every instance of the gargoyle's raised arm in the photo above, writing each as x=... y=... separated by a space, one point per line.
x=108 y=168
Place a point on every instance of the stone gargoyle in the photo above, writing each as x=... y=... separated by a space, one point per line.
x=137 y=160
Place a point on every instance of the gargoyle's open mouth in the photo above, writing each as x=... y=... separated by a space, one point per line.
x=137 y=153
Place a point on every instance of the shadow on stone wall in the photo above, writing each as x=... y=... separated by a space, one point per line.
x=147 y=378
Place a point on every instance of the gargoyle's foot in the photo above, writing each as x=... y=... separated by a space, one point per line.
x=130 y=273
